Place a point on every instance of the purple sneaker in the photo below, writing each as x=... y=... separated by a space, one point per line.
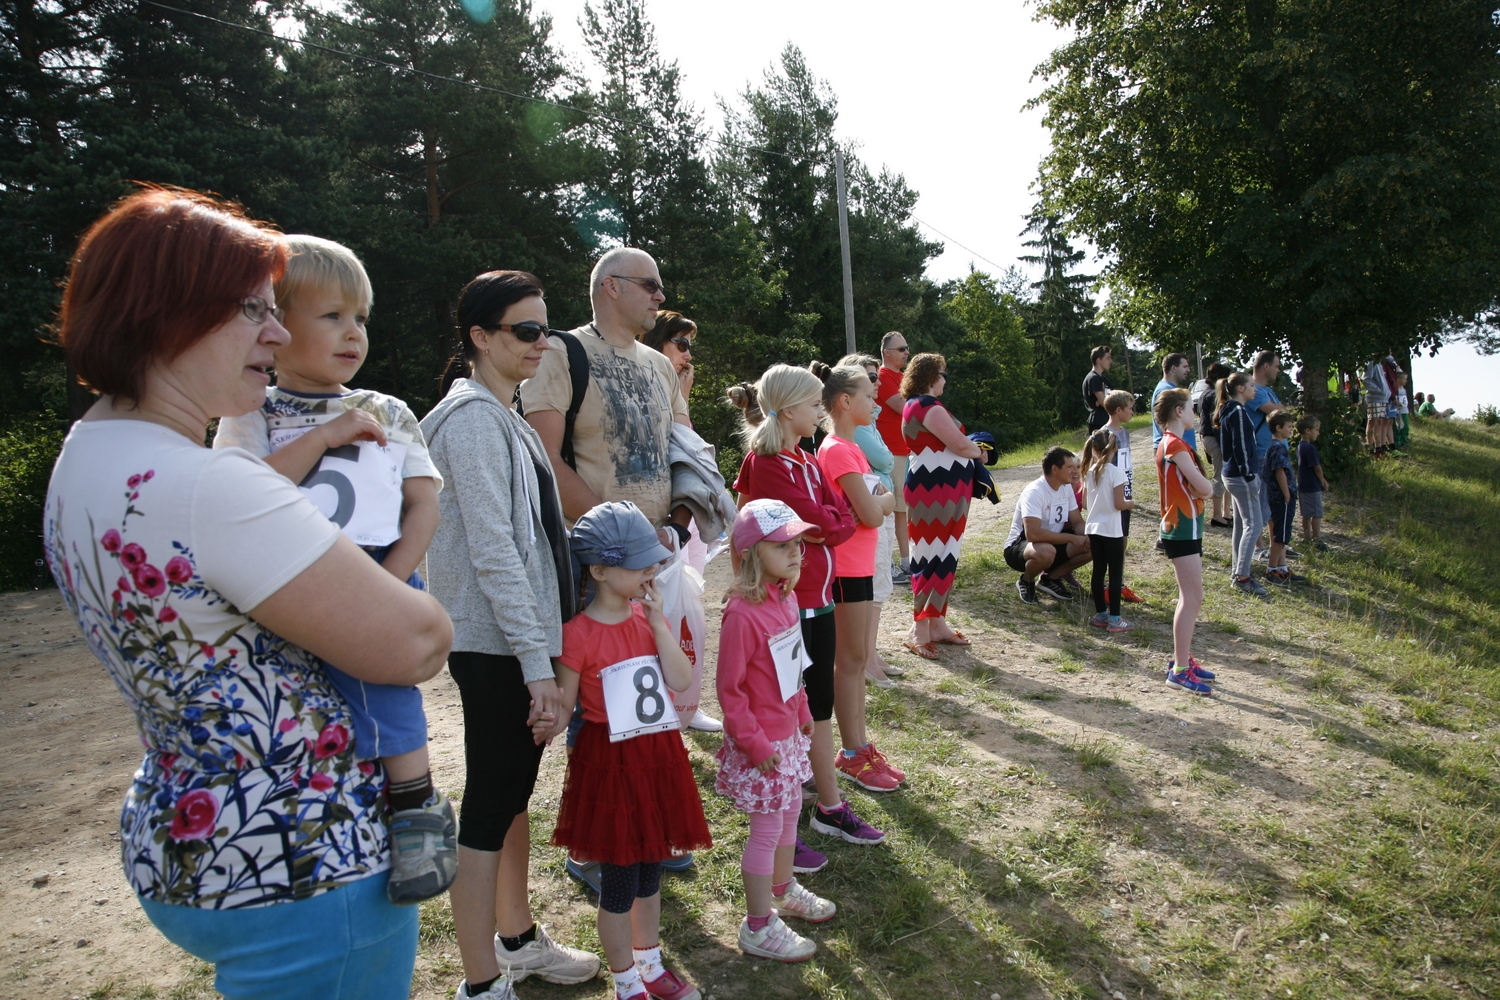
x=842 y=822
x=806 y=860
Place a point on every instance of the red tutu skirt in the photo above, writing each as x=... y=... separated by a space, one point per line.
x=632 y=801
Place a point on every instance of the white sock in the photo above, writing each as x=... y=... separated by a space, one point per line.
x=627 y=983
x=648 y=963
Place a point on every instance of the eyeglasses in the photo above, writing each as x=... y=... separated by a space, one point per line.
x=528 y=332
x=651 y=285
x=257 y=310
x=874 y=378
x=942 y=374
x=682 y=344
x=903 y=349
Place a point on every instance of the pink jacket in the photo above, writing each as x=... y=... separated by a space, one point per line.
x=794 y=478
x=749 y=694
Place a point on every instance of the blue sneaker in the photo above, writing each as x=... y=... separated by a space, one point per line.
x=678 y=862
x=1199 y=672
x=586 y=872
x=1185 y=680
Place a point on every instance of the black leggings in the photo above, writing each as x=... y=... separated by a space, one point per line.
x=1109 y=553
x=500 y=758
x=820 y=639
x=621 y=885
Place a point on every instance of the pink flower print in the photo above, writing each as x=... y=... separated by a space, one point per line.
x=196 y=812
x=179 y=569
x=149 y=581
x=124 y=584
x=148 y=475
x=167 y=760
x=115 y=596
x=334 y=739
x=320 y=782
x=287 y=725
x=129 y=616
x=167 y=616
x=110 y=540
x=366 y=768
x=208 y=650
x=133 y=481
x=132 y=556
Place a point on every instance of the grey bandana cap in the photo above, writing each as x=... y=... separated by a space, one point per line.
x=617 y=534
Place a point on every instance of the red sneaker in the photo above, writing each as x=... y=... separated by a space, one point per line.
x=864 y=771
x=881 y=760
x=669 y=986
x=1126 y=594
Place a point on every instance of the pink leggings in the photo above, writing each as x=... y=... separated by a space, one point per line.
x=767 y=832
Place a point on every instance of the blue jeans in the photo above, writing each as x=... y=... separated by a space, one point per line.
x=350 y=943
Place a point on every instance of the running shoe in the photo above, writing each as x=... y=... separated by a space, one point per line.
x=586 y=872
x=424 y=851
x=1197 y=671
x=799 y=902
x=1101 y=620
x=1126 y=594
x=881 y=759
x=1321 y=546
x=1262 y=555
x=546 y=958
x=705 y=723
x=1026 y=589
x=1219 y=522
x=1250 y=585
x=670 y=986
x=500 y=989
x=865 y=771
x=1117 y=625
x=1184 y=679
x=1056 y=588
x=842 y=822
x=806 y=861
x=1284 y=577
x=1292 y=553
x=900 y=576
x=775 y=941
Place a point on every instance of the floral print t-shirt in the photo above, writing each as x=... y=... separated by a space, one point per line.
x=249 y=793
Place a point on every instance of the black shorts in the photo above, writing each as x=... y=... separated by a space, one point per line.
x=1124 y=524
x=1015 y=555
x=853 y=589
x=1176 y=548
x=1282 y=516
x=821 y=640
x=500 y=758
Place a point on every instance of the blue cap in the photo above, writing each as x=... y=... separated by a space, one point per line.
x=617 y=534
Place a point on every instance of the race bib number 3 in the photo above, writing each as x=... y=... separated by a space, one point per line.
x=791 y=658
x=636 y=699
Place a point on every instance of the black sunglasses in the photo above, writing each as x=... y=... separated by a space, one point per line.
x=942 y=374
x=903 y=349
x=874 y=378
x=651 y=285
x=528 y=332
x=682 y=344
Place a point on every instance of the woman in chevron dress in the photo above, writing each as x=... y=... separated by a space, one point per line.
x=939 y=485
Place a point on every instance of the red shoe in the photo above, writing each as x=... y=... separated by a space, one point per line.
x=881 y=761
x=1126 y=594
x=864 y=771
x=668 y=986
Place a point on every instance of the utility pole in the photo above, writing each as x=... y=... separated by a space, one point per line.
x=838 y=166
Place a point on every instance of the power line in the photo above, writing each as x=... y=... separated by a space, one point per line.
x=950 y=239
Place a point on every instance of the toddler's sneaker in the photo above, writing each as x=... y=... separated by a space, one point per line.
x=669 y=986
x=679 y=862
x=546 y=958
x=424 y=851
x=842 y=822
x=885 y=764
x=865 y=771
x=776 y=941
x=1101 y=620
x=586 y=872
x=500 y=989
x=1117 y=624
x=799 y=902
x=1184 y=679
x=806 y=861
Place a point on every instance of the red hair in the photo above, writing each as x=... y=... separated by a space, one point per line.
x=155 y=274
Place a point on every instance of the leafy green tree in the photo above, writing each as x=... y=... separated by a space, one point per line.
x=995 y=387
x=1060 y=319
x=1316 y=175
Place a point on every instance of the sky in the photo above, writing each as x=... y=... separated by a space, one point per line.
x=935 y=91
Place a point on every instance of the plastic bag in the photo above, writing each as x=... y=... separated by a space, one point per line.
x=681 y=589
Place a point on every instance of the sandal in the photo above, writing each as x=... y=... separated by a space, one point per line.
x=956 y=639
x=926 y=650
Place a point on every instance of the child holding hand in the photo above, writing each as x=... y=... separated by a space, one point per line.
x=763 y=761
x=360 y=456
x=630 y=798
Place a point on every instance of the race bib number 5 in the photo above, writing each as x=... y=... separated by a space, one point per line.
x=636 y=699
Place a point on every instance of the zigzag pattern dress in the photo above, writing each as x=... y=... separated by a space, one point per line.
x=938 y=488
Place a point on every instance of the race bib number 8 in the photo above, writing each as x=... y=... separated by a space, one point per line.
x=636 y=699
x=790 y=657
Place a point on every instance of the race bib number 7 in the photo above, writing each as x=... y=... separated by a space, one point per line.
x=636 y=699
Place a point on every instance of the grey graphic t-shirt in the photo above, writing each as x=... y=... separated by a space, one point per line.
x=624 y=426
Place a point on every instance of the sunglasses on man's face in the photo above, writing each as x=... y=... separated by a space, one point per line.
x=528 y=332
x=903 y=349
x=651 y=285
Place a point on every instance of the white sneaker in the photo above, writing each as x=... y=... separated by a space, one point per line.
x=500 y=989
x=801 y=902
x=775 y=941
x=705 y=723
x=546 y=958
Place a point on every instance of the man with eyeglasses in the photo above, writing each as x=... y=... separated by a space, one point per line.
x=624 y=423
x=894 y=353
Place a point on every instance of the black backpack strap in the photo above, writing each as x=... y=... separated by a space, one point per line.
x=578 y=371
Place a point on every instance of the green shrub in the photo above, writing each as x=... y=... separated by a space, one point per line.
x=1341 y=443
x=28 y=448
x=1488 y=415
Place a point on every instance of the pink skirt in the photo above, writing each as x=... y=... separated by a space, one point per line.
x=776 y=790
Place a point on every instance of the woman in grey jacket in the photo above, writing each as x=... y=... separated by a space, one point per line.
x=1237 y=443
x=499 y=564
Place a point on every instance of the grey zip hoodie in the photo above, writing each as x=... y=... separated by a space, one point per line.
x=490 y=564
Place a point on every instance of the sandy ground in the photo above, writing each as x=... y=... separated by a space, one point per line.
x=70 y=926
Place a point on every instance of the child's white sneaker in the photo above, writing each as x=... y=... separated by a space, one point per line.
x=775 y=941
x=424 y=851
x=800 y=902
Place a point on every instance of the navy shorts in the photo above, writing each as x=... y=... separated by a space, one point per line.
x=388 y=718
x=1282 y=516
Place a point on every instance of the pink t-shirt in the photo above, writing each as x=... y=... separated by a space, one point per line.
x=837 y=457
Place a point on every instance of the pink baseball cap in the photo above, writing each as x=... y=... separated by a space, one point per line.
x=767 y=521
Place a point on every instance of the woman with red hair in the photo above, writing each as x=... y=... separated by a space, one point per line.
x=209 y=587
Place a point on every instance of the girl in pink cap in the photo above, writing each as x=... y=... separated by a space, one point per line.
x=767 y=726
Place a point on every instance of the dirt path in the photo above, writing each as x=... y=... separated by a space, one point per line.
x=71 y=927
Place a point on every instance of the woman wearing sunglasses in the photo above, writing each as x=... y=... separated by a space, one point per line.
x=499 y=563
x=673 y=336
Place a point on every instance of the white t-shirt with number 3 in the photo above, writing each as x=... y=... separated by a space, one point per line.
x=1039 y=500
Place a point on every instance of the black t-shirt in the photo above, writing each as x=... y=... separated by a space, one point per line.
x=1094 y=383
